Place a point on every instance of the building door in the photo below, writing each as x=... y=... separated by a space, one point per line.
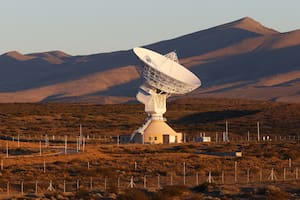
x=166 y=139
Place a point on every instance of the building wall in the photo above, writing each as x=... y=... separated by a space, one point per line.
x=157 y=138
x=158 y=132
x=153 y=138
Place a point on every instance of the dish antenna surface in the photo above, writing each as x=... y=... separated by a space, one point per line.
x=163 y=76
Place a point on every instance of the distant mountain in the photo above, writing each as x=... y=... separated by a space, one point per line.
x=240 y=59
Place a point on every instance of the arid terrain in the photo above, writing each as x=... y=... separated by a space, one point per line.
x=187 y=115
x=103 y=169
x=241 y=59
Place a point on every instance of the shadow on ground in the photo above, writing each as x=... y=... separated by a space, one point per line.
x=214 y=116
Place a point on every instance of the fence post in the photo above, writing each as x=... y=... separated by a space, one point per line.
x=83 y=144
x=118 y=140
x=44 y=166
x=135 y=165
x=235 y=172
x=260 y=175
x=145 y=182
x=6 y=149
x=22 y=187
x=248 y=175
x=131 y=184
x=40 y=148
x=258 y=133
x=158 y=181
x=272 y=176
x=18 y=140
x=183 y=173
x=209 y=179
x=248 y=137
x=223 y=178
x=46 y=141
x=36 y=187
x=91 y=183
x=7 y=187
x=226 y=132
x=118 y=183
x=77 y=146
x=50 y=188
x=77 y=184
x=66 y=144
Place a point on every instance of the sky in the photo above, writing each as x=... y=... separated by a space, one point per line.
x=82 y=27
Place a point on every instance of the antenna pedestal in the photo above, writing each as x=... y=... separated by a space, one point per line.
x=155 y=103
x=155 y=130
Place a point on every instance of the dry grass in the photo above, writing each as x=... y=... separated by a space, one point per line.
x=112 y=161
x=190 y=116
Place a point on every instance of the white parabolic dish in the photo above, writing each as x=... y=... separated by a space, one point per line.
x=165 y=74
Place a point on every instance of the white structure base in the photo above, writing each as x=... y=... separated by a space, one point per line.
x=156 y=132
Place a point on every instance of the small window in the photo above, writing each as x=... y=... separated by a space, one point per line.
x=155 y=138
x=150 y=138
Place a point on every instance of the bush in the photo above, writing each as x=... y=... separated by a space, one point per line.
x=133 y=194
x=272 y=192
x=174 y=190
x=202 y=187
x=82 y=194
x=169 y=192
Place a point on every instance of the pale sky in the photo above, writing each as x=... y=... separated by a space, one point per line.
x=80 y=27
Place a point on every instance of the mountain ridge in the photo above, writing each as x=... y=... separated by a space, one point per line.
x=239 y=59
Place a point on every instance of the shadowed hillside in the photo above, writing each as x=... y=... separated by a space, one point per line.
x=240 y=59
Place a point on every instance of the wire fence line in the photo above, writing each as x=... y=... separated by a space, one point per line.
x=65 y=145
x=117 y=183
x=150 y=181
x=216 y=137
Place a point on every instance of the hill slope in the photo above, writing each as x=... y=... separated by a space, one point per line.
x=240 y=59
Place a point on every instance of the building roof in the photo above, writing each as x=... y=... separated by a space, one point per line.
x=159 y=127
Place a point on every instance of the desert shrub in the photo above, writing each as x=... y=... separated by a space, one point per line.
x=82 y=194
x=215 y=173
x=202 y=187
x=50 y=195
x=272 y=192
x=104 y=171
x=174 y=190
x=193 y=156
x=293 y=154
x=268 y=154
x=169 y=192
x=18 y=170
x=113 y=188
x=133 y=194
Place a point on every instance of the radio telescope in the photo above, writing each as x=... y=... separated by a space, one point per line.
x=163 y=76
